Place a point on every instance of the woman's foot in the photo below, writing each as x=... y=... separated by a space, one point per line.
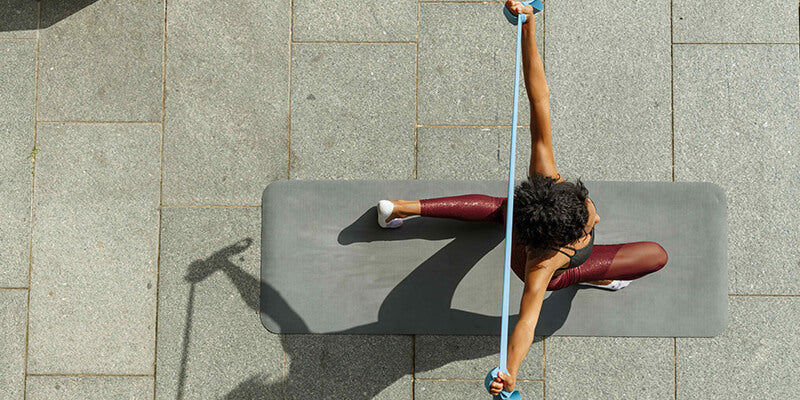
x=390 y=214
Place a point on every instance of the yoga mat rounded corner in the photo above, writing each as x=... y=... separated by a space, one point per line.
x=269 y=324
x=272 y=187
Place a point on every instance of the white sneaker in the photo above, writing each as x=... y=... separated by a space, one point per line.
x=614 y=285
x=385 y=208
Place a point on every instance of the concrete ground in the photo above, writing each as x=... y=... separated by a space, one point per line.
x=137 y=138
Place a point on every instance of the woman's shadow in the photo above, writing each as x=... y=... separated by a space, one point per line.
x=421 y=300
x=26 y=15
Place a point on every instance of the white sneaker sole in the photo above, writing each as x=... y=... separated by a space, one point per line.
x=385 y=208
x=614 y=285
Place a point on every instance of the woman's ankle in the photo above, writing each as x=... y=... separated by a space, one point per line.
x=407 y=208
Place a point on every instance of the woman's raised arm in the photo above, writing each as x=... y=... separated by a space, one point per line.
x=532 y=65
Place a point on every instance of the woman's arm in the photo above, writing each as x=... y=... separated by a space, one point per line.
x=522 y=336
x=536 y=280
x=542 y=159
x=532 y=65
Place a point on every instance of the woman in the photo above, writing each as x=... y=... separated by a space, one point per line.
x=553 y=230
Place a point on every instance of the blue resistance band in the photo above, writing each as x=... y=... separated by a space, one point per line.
x=518 y=21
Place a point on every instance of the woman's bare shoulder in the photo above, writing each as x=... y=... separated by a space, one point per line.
x=548 y=258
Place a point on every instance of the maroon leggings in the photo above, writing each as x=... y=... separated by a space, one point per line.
x=625 y=261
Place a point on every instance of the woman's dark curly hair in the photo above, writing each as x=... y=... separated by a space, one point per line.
x=549 y=214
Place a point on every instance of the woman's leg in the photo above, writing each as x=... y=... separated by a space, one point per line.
x=626 y=261
x=468 y=207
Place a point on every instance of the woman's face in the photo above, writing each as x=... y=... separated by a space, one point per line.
x=594 y=218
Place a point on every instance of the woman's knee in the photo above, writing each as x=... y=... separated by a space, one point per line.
x=558 y=283
x=659 y=256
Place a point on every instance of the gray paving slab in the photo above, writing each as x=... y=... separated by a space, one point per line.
x=95 y=249
x=756 y=357
x=718 y=21
x=436 y=390
x=740 y=102
x=101 y=63
x=18 y=18
x=466 y=69
x=211 y=343
x=90 y=387
x=352 y=20
x=227 y=104
x=348 y=367
x=472 y=153
x=469 y=357
x=609 y=72
x=352 y=111
x=17 y=85
x=13 y=325
x=609 y=368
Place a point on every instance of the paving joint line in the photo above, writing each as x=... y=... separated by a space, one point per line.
x=289 y=129
x=160 y=191
x=416 y=114
x=33 y=199
x=672 y=146
x=734 y=43
x=349 y=42
x=97 y=375
x=544 y=368
x=288 y=168
x=207 y=206
x=104 y=122
x=470 y=380
x=471 y=126
x=460 y=2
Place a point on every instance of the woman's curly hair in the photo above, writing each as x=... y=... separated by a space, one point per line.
x=549 y=214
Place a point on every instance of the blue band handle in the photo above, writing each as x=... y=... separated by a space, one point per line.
x=537 y=6
x=503 y=394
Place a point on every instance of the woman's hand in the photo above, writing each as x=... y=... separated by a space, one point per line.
x=516 y=7
x=502 y=382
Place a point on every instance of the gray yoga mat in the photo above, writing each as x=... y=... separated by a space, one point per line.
x=327 y=267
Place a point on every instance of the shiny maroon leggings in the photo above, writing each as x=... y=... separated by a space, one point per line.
x=625 y=261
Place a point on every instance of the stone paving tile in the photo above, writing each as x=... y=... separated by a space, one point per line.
x=227 y=105
x=436 y=390
x=17 y=85
x=89 y=387
x=466 y=70
x=469 y=357
x=211 y=343
x=352 y=111
x=95 y=245
x=348 y=367
x=756 y=357
x=740 y=102
x=18 y=18
x=472 y=153
x=609 y=368
x=610 y=98
x=101 y=63
x=352 y=20
x=13 y=321
x=714 y=21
